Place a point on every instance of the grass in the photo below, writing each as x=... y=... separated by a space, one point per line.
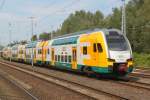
x=141 y=60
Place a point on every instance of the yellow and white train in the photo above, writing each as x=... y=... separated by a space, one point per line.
x=103 y=51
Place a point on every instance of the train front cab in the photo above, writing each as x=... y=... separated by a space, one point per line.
x=93 y=53
x=119 y=52
x=97 y=56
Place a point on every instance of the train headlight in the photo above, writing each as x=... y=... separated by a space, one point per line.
x=130 y=59
x=111 y=60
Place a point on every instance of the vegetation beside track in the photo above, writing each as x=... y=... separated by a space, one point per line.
x=142 y=60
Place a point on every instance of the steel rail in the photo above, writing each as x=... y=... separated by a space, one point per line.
x=140 y=75
x=130 y=83
x=19 y=86
x=134 y=84
x=77 y=87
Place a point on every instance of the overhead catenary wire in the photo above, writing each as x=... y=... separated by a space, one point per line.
x=51 y=4
x=24 y=21
x=60 y=10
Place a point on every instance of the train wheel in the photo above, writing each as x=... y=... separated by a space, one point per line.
x=88 y=71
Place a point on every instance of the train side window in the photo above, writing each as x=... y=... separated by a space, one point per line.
x=62 y=58
x=65 y=58
x=94 y=47
x=69 y=59
x=58 y=57
x=84 y=50
x=99 y=46
x=47 y=51
x=55 y=57
x=40 y=51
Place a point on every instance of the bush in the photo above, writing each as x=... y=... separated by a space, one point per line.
x=141 y=60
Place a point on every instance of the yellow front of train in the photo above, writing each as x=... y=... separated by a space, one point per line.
x=118 y=52
x=107 y=51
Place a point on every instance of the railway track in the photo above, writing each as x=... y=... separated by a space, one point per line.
x=130 y=82
x=138 y=74
x=77 y=87
x=140 y=68
x=16 y=84
x=141 y=72
x=135 y=84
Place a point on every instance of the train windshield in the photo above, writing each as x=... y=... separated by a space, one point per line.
x=116 y=41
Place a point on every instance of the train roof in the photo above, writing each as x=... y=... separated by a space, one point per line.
x=31 y=44
x=65 y=41
x=105 y=30
x=79 y=33
x=40 y=43
x=50 y=42
x=72 y=37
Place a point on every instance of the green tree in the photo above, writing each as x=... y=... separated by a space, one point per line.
x=138 y=24
x=44 y=36
x=82 y=20
x=34 y=38
x=115 y=19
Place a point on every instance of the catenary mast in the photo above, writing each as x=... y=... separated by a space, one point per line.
x=123 y=26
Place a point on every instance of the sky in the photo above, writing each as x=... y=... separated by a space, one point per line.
x=48 y=15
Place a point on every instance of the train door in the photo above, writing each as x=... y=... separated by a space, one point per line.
x=48 y=55
x=74 y=58
x=95 y=54
x=21 y=53
x=34 y=55
x=44 y=54
x=52 y=57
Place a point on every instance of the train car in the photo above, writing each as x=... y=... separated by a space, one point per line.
x=28 y=52
x=15 y=52
x=7 y=53
x=104 y=51
x=47 y=52
x=39 y=52
x=21 y=53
